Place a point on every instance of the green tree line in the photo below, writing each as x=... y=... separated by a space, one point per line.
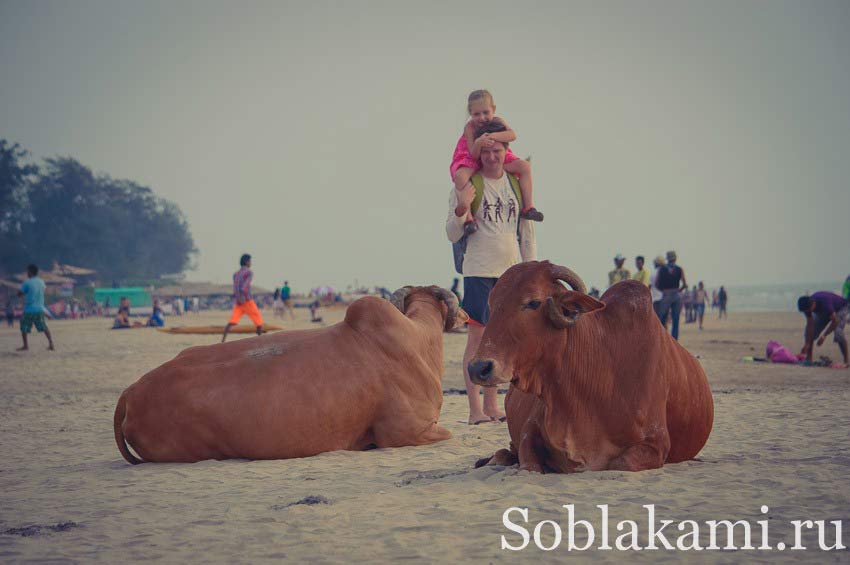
x=59 y=211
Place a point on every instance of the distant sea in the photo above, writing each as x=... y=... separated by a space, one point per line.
x=773 y=297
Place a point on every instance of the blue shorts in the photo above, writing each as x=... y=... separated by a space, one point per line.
x=476 y=291
x=30 y=319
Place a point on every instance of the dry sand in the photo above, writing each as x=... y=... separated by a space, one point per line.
x=779 y=439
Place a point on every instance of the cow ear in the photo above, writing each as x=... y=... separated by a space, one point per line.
x=575 y=303
x=565 y=310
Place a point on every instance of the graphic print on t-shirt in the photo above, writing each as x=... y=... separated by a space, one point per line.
x=496 y=209
x=495 y=247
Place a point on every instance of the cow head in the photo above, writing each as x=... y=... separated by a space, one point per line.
x=531 y=313
x=453 y=314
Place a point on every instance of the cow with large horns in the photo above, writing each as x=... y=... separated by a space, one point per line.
x=595 y=384
x=372 y=380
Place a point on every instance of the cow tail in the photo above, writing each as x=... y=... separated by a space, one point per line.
x=120 y=411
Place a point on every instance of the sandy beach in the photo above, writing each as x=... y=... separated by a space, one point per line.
x=780 y=439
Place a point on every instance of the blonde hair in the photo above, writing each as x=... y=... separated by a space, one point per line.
x=479 y=95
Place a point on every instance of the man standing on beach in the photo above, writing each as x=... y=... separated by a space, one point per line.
x=671 y=282
x=490 y=251
x=826 y=313
x=286 y=299
x=641 y=274
x=33 y=290
x=244 y=304
x=619 y=273
x=657 y=263
x=722 y=297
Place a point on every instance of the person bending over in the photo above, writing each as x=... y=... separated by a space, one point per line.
x=826 y=313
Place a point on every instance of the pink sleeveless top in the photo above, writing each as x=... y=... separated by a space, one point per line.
x=462 y=157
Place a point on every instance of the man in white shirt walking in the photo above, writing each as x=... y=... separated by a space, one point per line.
x=502 y=240
x=656 y=294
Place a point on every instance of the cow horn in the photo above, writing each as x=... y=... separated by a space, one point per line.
x=560 y=273
x=399 y=296
x=451 y=302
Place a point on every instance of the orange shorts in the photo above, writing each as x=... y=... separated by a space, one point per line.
x=249 y=309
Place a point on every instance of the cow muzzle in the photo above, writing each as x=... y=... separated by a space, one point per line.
x=484 y=372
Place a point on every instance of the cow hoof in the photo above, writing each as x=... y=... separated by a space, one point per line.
x=483 y=461
x=503 y=458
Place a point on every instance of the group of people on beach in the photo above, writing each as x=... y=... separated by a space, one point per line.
x=670 y=294
x=490 y=185
x=490 y=223
x=282 y=301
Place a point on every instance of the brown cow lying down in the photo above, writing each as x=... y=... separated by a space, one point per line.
x=373 y=379
x=594 y=385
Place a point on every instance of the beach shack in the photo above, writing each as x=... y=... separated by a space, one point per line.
x=139 y=297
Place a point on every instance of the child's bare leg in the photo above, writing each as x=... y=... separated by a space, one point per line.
x=462 y=176
x=522 y=169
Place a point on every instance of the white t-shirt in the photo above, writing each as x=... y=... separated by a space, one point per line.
x=656 y=294
x=493 y=249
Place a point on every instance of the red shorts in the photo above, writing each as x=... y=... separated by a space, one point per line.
x=249 y=309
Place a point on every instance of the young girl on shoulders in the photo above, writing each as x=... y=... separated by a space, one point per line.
x=465 y=162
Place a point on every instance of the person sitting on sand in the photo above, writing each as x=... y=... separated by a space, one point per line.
x=122 y=318
x=156 y=320
x=826 y=313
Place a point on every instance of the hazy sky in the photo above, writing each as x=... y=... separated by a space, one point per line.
x=317 y=135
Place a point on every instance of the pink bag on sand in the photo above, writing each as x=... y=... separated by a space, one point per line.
x=778 y=353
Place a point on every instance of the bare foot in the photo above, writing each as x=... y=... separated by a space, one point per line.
x=22 y=349
x=51 y=348
x=497 y=416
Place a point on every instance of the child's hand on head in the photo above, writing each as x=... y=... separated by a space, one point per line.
x=484 y=141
